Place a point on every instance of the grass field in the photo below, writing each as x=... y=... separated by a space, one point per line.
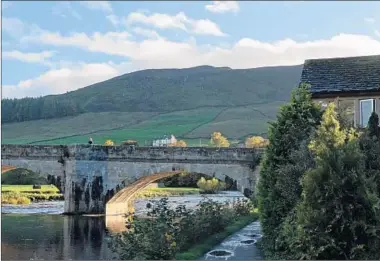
x=25 y=194
x=29 y=189
x=194 y=126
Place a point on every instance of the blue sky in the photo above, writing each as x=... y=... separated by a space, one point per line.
x=54 y=47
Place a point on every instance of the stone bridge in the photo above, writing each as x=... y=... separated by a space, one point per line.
x=100 y=179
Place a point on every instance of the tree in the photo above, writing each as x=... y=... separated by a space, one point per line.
x=337 y=217
x=109 y=143
x=255 y=142
x=179 y=143
x=218 y=140
x=295 y=122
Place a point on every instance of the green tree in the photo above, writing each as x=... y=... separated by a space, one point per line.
x=295 y=122
x=337 y=216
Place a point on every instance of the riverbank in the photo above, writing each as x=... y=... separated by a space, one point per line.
x=25 y=194
x=200 y=249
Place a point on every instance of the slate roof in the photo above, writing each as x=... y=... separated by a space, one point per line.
x=349 y=74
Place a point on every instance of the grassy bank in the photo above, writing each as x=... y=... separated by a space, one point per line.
x=25 y=194
x=198 y=250
x=166 y=192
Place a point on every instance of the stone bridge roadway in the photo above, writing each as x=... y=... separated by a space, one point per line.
x=100 y=179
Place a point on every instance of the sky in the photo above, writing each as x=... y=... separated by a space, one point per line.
x=54 y=47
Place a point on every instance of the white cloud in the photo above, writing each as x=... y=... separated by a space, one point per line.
x=65 y=9
x=377 y=33
x=65 y=79
x=206 y=27
x=113 y=19
x=162 y=21
x=146 y=33
x=104 y=6
x=178 y=21
x=13 y=26
x=370 y=20
x=41 y=57
x=223 y=7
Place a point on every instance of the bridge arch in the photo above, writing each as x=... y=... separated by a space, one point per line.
x=52 y=173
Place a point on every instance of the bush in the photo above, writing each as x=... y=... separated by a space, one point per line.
x=185 y=179
x=337 y=217
x=108 y=143
x=14 y=199
x=211 y=186
x=295 y=122
x=167 y=231
x=22 y=176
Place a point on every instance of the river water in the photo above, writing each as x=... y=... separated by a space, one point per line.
x=39 y=231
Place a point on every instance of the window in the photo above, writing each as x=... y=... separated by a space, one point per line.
x=366 y=108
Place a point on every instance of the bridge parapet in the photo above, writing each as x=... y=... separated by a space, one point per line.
x=129 y=153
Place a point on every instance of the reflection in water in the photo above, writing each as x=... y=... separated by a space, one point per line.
x=54 y=237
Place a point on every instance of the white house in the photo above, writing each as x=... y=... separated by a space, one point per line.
x=164 y=141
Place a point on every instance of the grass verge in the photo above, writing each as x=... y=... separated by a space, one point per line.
x=25 y=194
x=198 y=250
x=166 y=192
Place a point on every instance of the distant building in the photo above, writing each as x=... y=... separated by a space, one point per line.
x=164 y=141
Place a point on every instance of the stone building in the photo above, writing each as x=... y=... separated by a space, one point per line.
x=352 y=82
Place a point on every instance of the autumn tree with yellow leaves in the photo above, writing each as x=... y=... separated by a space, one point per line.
x=109 y=143
x=179 y=143
x=256 y=142
x=218 y=140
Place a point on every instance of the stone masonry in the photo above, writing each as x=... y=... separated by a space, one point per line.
x=90 y=175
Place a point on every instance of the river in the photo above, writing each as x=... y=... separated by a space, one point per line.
x=39 y=231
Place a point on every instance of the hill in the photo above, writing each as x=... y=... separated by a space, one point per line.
x=190 y=103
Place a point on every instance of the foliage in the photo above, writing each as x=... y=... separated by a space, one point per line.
x=168 y=231
x=11 y=194
x=295 y=122
x=337 y=217
x=218 y=140
x=373 y=125
x=211 y=186
x=22 y=176
x=108 y=143
x=204 y=86
x=14 y=199
x=179 y=143
x=370 y=146
x=256 y=142
x=188 y=180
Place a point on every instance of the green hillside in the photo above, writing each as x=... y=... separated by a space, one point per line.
x=189 y=103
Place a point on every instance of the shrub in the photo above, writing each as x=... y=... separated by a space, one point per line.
x=109 y=143
x=14 y=198
x=183 y=180
x=295 y=122
x=337 y=216
x=167 y=231
x=210 y=186
x=22 y=176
